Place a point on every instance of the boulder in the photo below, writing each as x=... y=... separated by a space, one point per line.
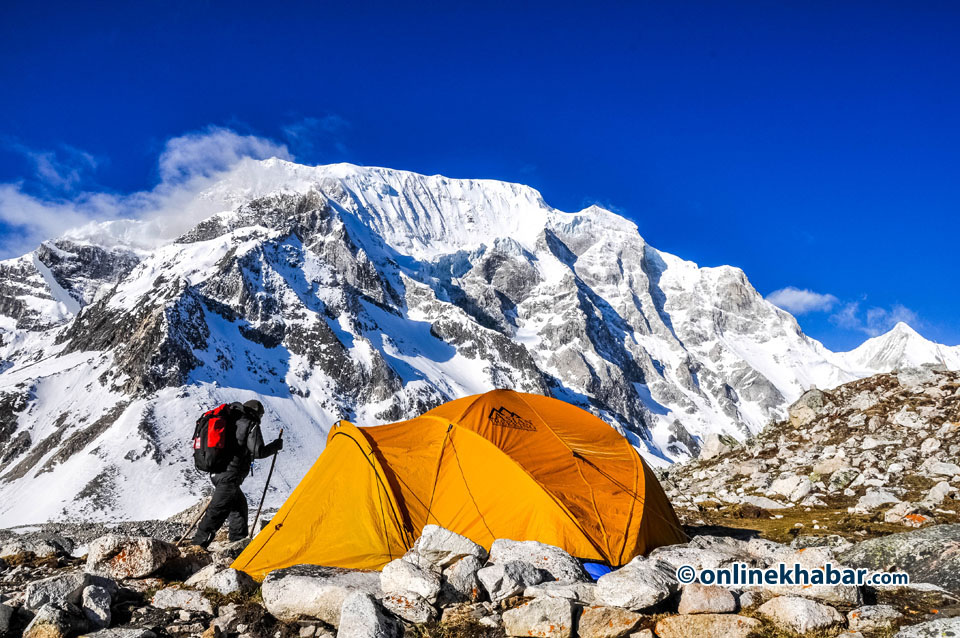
x=812 y=558
x=873 y=500
x=544 y=617
x=560 y=565
x=459 y=582
x=199 y=579
x=763 y=502
x=580 y=592
x=443 y=548
x=799 y=615
x=312 y=592
x=873 y=618
x=599 y=621
x=715 y=445
x=63 y=588
x=707 y=626
x=6 y=615
x=44 y=546
x=175 y=598
x=471 y=614
x=96 y=602
x=361 y=616
x=410 y=607
x=55 y=621
x=229 y=581
x=639 y=584
x=939 y=492
x=128 y=557
x=792 y=487
x=401 y=576
x=928 y=555
x=696 y=557
x=939 y=628
x=697 y=598
x=504 y=580
x=907 y=514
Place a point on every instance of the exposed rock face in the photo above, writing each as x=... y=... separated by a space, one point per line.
x=929 y=555
x=370 y=294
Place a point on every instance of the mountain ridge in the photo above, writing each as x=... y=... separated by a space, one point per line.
x=368 y=294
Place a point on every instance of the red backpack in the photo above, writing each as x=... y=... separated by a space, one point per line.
x=215 y=439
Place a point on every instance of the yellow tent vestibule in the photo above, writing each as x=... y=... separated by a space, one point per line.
x=497 y=465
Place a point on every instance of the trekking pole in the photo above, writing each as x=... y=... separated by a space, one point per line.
x=195 y=521
x=253 y=530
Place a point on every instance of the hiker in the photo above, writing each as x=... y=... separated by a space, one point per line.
x=228 y=502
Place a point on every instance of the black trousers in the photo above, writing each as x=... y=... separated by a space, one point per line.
x=228 y=504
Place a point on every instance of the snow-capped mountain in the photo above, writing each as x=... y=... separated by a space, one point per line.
x=901 y=347
x=369 y=294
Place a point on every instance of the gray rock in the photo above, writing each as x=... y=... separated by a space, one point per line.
x=939 y=492
x=96 y=606
x=715 y=445
x=545 y=617
x=460 y=583
x=599 y=621
x=47 y=545
x=800 y=615
x=55 y=621
x=362 y=617
x=504 y=580
x=928 y=555
x=128 y=556
x=229 y=581
x=707 y=626
x=580 y=592
x=639 y=584
x=559 y=564
x=312 y=592
x=872 y=618
x=940 y=628
x=63 y=588
x=174 y=598
x=697 y=598
x=873 y=500
x=443 y=548
x=410 y=607
x=401 y=576
x=199 y=579
x=6 y=615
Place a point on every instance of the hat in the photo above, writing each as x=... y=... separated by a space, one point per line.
x=254 y=406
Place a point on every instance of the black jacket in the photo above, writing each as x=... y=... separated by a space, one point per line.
x=250 y=443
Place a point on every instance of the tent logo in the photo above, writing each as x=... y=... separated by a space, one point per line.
x=504 y=418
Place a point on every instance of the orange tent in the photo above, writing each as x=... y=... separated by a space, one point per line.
x=496 y=465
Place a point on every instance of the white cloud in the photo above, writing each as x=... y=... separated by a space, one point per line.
x=876 y=320
x=62 y=169
x=213 y=150
x=799 y=302
x=187 y=164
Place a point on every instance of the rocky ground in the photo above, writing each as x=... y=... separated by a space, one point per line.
x=871 y=457
x=135 y=586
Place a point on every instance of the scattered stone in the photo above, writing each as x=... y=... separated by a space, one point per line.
x=55 y=621
x=580 y=592
x=231 y=581
x=873 y=618
x=64 y=588
x=638 y=585
x=175 y=598
x=400 y=576
x=362 y=617
x=544 y=617
x=939 y=628
x=199 y=579
x=504 y=580
x=306 y=592
x=459 y=582
x=560 y=565
x=96 y=606
x=410 y=607
x=697 y=598
x=121 y=632
x=600 y=621
x=443 y=548
x=707 y=626
x=715 y=445
x=872 y=500
x=128 y=557
x=800 y=615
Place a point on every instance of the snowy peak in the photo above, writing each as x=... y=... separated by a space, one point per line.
x=901 y=347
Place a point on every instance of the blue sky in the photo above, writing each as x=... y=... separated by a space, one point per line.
x=815 y=145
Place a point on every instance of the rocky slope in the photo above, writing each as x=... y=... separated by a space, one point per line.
x=875 y=454
x=369 y=294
